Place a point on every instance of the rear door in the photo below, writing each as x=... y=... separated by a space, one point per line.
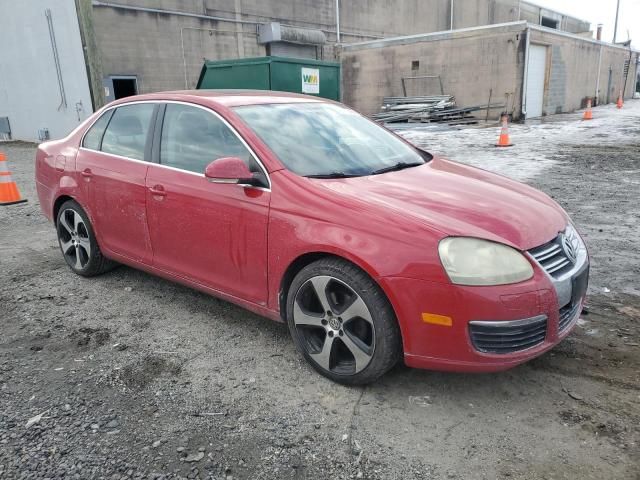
x=214 y=234
x=112 y=166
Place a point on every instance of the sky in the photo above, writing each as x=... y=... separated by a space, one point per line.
x=602 y=11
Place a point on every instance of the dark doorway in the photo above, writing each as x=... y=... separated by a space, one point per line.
x=549 y=22
x=124 y=87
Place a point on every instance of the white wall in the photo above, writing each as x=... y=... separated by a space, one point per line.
x=29 y=92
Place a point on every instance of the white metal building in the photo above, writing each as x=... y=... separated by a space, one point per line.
x=43 y=77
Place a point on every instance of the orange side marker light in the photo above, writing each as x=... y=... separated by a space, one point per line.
x=437 y=319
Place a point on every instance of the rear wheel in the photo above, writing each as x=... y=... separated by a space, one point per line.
x=78 y=242
x=342 y=322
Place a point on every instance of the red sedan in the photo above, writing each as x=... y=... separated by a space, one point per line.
x=306 y=212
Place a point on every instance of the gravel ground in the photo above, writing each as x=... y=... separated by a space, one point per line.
x=130 y=376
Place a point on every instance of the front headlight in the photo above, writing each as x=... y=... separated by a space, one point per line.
x=472 y=261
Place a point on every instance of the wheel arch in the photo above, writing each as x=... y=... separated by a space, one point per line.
x=63 y=197
x=307 y=258
x=58 y=203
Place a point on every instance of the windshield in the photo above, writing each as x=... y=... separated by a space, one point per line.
x=326 y=140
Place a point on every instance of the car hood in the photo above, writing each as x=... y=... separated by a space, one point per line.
x=459 y=200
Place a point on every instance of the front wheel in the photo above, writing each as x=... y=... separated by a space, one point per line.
x=78 y=242
x=342 y=322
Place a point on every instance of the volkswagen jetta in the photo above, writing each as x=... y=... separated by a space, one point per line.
x=304 y=211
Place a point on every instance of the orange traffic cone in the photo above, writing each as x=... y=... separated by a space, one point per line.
x=504 y=141
x=9 y=193
x=588 y=114
x=620 y=102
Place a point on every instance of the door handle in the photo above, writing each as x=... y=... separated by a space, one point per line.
x=158 y=191
x=87 y=173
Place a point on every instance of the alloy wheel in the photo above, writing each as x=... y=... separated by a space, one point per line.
x=73 y=236
x=334 y=324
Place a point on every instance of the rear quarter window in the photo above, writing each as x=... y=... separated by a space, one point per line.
x=93 y=137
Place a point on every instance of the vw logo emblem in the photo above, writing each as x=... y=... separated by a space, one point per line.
x=569 y=249
x=334 y=323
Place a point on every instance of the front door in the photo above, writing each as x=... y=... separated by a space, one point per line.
x=214 y=234
x=112 y=169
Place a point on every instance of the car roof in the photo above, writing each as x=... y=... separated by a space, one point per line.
x=226 y=98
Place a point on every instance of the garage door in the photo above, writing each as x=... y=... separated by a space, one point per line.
x=535 y=80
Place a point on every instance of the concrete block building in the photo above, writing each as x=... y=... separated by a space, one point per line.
x=534 y=70
x=155 y=45
x=101 y=50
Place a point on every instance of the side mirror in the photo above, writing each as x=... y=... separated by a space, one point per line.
x=229 y=170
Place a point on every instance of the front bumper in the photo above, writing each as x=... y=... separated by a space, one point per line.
x=451 y=347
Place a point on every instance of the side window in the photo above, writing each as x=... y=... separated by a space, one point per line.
x=126 y=134
x=93 y=137
x=192 y=138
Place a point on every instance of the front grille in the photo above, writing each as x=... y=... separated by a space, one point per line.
x=556 y=256
x=508 y=337
x=567 y=314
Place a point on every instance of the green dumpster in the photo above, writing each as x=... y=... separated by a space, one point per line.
x=298 y=75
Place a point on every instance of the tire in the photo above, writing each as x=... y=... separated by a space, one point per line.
x=78 y=242
x=351 y=334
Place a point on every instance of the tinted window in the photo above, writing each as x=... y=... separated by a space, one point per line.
x=192 y=138
x=93 y=137
x=325 y=139
x=126 y=134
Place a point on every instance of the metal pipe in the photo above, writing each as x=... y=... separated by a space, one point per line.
x=98 y=3
x=637 y=76
x=615 y=28
x=526 y=73
x=337 y=21
x=626 y=77
x=184 y=60
x=416 y=77
x=451 y=14
x=598 y=77
x=56 y=59
x=239 y=37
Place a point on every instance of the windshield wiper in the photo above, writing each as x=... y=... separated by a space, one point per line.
x=333 y=175
x=397 y=166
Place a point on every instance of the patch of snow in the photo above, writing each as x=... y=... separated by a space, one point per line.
x=537 y=143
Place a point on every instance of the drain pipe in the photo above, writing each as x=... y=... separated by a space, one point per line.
x=337 y=21
x=615 y=27
x=598 y=77
x=526 y=72
x=451 y=19
x=56 y=59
